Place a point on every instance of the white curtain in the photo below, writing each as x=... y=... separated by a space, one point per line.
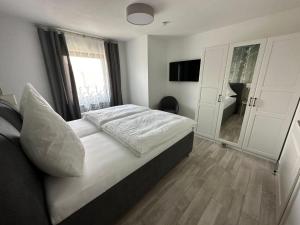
x=89 y=66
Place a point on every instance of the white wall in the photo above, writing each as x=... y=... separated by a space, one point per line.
x=157 y=69
x=184 y=92
x=192 y=47
x=137 y=70
x=21 y=59
x=294 y=216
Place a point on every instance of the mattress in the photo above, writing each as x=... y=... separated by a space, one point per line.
x=228 y=101
x=106 y=163
x=82 y=127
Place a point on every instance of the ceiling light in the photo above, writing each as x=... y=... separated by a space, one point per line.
x=140 y=14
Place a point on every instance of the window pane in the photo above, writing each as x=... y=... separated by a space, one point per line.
x=91 y=82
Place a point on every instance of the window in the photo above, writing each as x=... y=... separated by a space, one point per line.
x=88 y=61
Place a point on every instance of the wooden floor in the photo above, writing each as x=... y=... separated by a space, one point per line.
x=213 y=186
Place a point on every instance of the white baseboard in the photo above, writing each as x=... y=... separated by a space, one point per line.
x=235 y=148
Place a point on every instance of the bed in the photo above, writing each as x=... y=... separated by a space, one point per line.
x=104 y=168
x=101 y=196
x=83 y=127
x=232 y=100
x=229 y=108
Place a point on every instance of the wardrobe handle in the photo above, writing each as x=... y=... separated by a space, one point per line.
x=250 y=101
x=220 y=98
x=254 y=102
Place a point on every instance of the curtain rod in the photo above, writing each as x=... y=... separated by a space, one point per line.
x=80 y=33
x=76 y=32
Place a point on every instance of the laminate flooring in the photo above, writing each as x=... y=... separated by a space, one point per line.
x=213 y=186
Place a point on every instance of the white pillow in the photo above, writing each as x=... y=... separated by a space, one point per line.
x=230 y=92
x=49 y=141
x=27 y=90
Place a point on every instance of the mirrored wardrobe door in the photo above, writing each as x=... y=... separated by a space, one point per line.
x=242 y=71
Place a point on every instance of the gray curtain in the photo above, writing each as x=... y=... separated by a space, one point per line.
x=113 y=64
x=60 y=73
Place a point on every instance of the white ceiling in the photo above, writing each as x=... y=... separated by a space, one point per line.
x=107 y=17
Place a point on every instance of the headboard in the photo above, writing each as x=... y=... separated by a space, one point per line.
x=22 y=197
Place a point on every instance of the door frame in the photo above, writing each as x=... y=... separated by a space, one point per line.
x=260 y=57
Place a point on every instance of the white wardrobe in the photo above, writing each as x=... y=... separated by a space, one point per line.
x=249 y=92
x=288 y=175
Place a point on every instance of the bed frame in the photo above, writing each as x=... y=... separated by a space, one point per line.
x=228 y=112
x=238 y=88
x=22 y=194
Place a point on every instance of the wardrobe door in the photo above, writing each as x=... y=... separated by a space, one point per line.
x=275 y=98
x=289 y=164
x=243 y=65
x=211 y=80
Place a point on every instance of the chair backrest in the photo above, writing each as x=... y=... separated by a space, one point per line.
x=169 y=103
x=22 y=197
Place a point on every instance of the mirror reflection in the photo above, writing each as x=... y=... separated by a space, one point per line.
x=237 y=90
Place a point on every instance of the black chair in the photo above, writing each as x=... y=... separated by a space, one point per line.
x=169 y=104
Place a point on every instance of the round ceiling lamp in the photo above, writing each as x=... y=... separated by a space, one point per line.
x=140 y=14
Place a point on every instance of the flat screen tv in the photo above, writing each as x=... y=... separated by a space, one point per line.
x=184 y=70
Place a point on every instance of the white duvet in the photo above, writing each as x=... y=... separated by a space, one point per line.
x=102 y=116
x=144 y=131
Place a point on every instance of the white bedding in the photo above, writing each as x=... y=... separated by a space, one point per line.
x=228 y=101
x=107 y=163
x=83 y=127
x=102 y=116
x=144 y=131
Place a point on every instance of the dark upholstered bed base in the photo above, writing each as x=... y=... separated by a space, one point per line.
x=228 y=112
x=111 y=205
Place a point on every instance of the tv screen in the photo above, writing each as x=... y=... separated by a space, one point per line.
x=184 y=70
